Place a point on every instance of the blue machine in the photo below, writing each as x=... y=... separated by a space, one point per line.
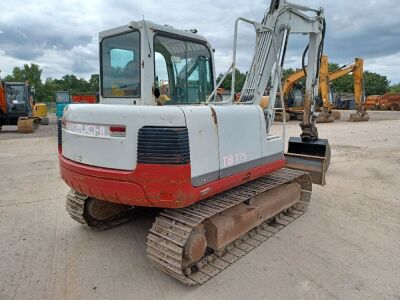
x=63 y=98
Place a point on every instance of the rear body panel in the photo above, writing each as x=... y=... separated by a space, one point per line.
x=223 y=152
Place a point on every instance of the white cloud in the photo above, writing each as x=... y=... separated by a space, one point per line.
x=61 y=35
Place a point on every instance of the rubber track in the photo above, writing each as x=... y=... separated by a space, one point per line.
x=172 y=228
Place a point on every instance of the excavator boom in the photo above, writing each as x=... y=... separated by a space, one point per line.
x=357 y=69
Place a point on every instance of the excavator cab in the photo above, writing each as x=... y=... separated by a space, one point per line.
x=17 y=104
x=63 y=98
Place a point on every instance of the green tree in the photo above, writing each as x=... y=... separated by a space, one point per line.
x=395 y=88
x=375 y=84
x=28 y=73
x=94 y=83
x=50 y=87
x=344 y=84
x=240 y=78
x=286 y=73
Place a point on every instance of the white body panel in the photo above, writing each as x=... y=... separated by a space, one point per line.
x=110 y=152
x=239 y=136
x=223 y=140
x=203 y=139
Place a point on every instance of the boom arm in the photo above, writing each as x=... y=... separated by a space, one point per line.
x=324 y=80
x=272 y=36
x=357 y=68
x=291 y=81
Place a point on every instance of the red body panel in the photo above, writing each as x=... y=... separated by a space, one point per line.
x=166 y=186
x=84 y=99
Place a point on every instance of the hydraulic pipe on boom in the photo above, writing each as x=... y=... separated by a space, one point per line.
x=308 y=150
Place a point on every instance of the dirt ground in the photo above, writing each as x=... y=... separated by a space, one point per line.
x=346 y=246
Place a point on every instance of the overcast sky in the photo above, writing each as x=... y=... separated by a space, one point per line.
x=62 y=36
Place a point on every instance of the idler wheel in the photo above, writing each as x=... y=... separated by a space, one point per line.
x=196 y=245
x=102 y=210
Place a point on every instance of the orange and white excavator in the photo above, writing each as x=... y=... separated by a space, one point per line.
x=213 y=165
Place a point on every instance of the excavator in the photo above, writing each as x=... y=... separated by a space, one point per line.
x=16 y=103
x=294 y=106
x=219 y=179
x=357 y=69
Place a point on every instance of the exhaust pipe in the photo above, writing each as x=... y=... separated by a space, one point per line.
x=312 y=157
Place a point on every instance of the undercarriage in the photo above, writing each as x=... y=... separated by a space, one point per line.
x=195 y=243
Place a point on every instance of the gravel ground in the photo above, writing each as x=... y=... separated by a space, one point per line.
x=345 y=247
x=11 y=132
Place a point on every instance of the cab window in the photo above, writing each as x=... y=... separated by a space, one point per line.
x=120 y=65
x=182 y=71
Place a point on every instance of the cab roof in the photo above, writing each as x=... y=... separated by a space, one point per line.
x=151 y=26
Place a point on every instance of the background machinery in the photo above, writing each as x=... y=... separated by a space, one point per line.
x=211 y=164
x=294 y=96
x=16 y=104
x=40 y=112
x=357 y=69
x=63 y=98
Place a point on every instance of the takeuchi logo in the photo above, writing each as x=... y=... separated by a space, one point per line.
x=88 y=129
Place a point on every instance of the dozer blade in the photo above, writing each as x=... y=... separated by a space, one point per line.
x=312 y=157
x=359 y=117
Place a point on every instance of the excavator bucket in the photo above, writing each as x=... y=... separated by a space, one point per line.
x=312 y=157
x=325 y=118
x=359 y=117
x=336 y=114
x=27 y=124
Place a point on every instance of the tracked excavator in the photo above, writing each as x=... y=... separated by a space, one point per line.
x=294 y=110
x=16 y=106
x=357 y=69
x=219 y=177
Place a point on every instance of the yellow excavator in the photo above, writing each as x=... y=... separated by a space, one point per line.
x=294 y=96
x=294 y=109
x=16 y=103
x=357 y=69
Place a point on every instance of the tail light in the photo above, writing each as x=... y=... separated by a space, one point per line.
x=117 y=131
